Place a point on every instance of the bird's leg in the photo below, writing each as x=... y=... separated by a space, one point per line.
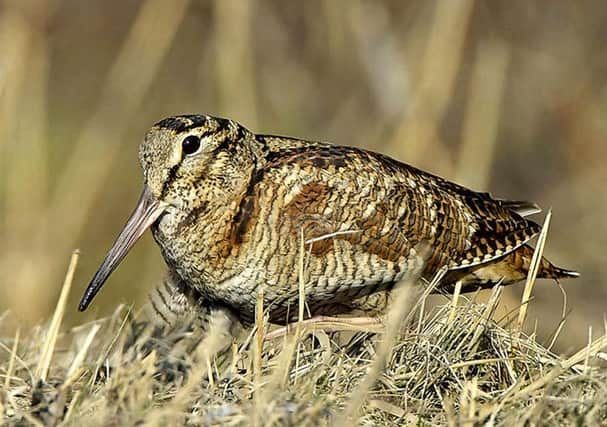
x=328 y=323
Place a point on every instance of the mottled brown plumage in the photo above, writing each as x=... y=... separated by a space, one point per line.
x=227 y=208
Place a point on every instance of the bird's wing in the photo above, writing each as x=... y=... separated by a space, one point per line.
x=387 y=208
x=496 y=227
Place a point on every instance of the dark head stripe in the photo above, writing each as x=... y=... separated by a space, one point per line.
x=180 y=124
x=185 y=123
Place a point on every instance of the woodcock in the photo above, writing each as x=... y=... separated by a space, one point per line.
x=228 y=209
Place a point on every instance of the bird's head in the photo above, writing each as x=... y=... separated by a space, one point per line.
x=188 y=162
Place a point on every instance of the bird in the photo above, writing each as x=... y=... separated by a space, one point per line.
x=231 y=210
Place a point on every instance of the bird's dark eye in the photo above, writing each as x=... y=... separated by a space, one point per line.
x=190 y=144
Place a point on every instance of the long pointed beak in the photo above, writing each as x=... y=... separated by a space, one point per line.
x=148 y=209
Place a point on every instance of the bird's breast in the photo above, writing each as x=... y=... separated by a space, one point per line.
x=199 y=251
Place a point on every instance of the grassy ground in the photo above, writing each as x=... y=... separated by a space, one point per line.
x=451 y=365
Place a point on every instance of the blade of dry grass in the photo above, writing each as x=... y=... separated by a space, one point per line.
x=481 y=322
x=11 y=363
x=53 y=331
x=259 y=397
x=71 y=408
x=454 y=299
x=302 y=279
x=259 y=323
x=536 y=262
x=112 y=343
x=587 y=358
x=74 y=370
x=422 y=314
x=561 y=323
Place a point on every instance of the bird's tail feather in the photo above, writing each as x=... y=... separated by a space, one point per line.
x=521 y=207
x=547 y=269
x=551 y=271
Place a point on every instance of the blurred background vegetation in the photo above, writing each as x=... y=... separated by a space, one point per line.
x=506 y=96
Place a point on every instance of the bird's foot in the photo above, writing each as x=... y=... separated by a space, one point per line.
x=329 y=324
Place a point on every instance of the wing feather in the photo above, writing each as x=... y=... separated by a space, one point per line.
x=465 y=228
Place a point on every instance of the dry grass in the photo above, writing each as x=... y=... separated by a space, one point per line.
x=451 y=366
